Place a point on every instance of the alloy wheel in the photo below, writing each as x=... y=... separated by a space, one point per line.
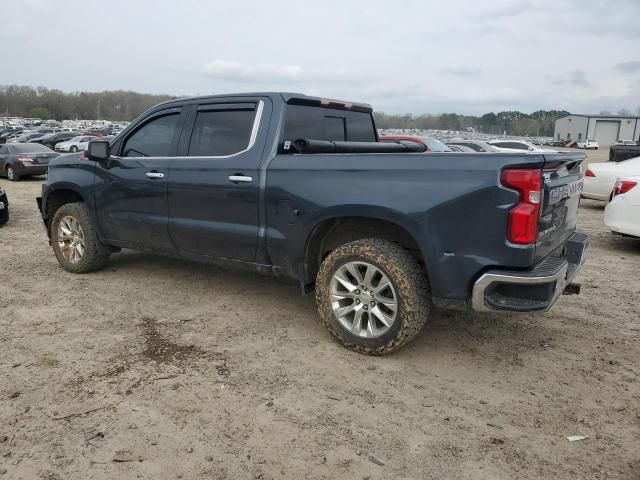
x=71 y=239
x=363 y=299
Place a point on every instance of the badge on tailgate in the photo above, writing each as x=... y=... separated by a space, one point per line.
x=558 y=194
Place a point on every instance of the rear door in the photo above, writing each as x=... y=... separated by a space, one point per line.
x=562 y=185
x=131 y=187
x=214 y=183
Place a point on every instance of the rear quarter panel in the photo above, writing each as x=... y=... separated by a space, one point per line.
x=451 y=203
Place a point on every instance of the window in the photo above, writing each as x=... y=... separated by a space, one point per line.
x=29 y=148
x=320 y=123
x=153 y=139
x=221 y=132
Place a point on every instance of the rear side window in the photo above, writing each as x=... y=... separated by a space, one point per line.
x=319 y=123
x=154 y=139
x=221 y=132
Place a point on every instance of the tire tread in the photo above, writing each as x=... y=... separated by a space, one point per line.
x=92 y=259
x=407 y=273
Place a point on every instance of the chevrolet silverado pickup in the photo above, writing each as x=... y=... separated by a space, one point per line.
x=301 y=187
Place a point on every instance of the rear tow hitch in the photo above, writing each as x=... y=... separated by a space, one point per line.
x=572 y=289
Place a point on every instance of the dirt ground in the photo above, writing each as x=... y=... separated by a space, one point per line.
x=158 y=368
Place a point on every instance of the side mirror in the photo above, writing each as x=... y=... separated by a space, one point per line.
x=98 y=150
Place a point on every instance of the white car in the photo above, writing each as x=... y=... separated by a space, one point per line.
x=76 y=144
x=588 y=144
x=600 y=178
x=519 y=145
x=622 y=215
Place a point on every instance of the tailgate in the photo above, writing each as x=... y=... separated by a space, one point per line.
x=562 y=185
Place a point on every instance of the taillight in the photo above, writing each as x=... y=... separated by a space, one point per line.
x=589 y=173
x=522 y=224
x=25 y=159
x=623 y=186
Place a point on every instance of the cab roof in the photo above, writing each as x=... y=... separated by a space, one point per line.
x=287 y=97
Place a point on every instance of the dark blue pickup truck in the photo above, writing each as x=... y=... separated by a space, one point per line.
x=300 y=186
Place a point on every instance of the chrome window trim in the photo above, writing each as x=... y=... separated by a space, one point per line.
x=252 y=141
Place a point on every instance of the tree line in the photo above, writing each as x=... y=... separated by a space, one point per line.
x=44 y=103
x=538 y=123
x=121 y=105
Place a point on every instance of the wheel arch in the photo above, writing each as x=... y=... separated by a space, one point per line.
x=7 y=164
x=334 y=230
x=58 y=197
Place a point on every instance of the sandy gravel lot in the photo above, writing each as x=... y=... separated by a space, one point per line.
x=157 y=368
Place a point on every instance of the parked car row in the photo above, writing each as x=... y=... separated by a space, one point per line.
x=75 y=144
x=432 y=144
x=470 y=146
x=51 y=136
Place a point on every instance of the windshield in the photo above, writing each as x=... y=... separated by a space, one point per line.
x=30 y=148
x=435 y=145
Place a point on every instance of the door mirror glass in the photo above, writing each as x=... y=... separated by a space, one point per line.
x=98 y=150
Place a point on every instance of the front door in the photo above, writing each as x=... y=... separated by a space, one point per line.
x=131 y=187
x=214 y=184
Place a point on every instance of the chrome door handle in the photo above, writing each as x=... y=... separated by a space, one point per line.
x=155 y=174
x=240 y=179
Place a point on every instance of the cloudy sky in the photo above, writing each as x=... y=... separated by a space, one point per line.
x=464 y=56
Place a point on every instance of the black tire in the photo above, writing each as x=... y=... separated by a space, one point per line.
x=11 y=174
x=408 y=279
x=73 y=149
x=93 y=257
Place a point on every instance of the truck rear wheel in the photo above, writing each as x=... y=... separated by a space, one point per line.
x=372 y=295
x=75 y=241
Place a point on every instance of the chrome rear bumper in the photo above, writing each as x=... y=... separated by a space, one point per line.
x=531 y=290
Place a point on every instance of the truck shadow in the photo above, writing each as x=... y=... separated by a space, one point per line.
x=446 y=332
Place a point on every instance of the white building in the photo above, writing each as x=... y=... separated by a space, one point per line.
x=604 y=129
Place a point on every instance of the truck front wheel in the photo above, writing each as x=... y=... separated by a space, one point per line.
x=75 y=241
x=372 y=295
